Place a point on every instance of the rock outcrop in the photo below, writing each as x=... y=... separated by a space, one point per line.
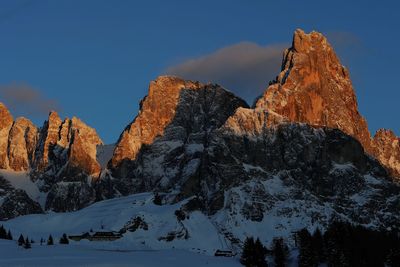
x=65 y=160
x=61 y=160
x=15 y=202
x=17 y=141
x=386 y=147
x=314 y=88
x=6 y=122
x=21 y=145
x=157 y=110
x=67 y=148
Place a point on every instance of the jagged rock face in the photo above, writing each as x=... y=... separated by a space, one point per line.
x=17 y=141
x=68 y=146
x=387 y=149
x=174 y=154
x=15 y=202
x=69 y=196
x=66 y=162
x=83 y=148
x=6 y=121
x=297 y=171
x=49 y=136
x=22 y=143
x=314 y=88
x=157 y=110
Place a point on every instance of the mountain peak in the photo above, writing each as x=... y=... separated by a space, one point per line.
x=313 y=87
x=305 y=42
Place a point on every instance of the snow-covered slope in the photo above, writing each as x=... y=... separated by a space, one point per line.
x=82 y=255
x=196 y=232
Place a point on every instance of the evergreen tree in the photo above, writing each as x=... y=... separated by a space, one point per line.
x=253 y=254
x=41 y=241
x=21 y=240
x=247 y=258
x=50 y=241
x=318 y=246
x=260 y=252
x=157 y=200
x=306 y=256
x=9 y=235
x=3 y=233
x=280 y=251
x=27 y=244
x=64 y=239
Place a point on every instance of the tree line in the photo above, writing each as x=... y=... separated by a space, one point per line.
x=342 y=244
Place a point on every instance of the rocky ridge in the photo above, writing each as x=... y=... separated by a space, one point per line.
x=60 y=158
x=302 y=154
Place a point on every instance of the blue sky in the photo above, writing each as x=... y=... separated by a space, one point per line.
x=94 y=59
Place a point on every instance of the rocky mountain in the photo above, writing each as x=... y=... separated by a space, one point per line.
x=301 y=156
x=313 y=87
x=60 y=158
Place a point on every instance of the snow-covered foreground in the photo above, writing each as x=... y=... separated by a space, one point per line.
x=139 y=248
x=82 y=255
x=114 y=214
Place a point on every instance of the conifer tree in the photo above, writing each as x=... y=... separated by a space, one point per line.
x=318 y=246
x=64 y=239
x=260 y=252
x=280 y=251
x=21 y=240
x=9 y=235
x=3 y=233
x=306 y=255
x=27 y=244
x=50 y=241
x=254 y=253
x=247 y=258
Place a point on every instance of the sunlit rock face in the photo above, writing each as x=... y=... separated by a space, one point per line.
x=157 y=110
x=314 y=88
x=6 y=121
x=17 y=141
x=69 y=144
x=21 y=144
x=65 y=160
x=386 y=147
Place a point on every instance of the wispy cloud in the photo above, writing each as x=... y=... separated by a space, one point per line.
x=24 y=99
x=245 y=68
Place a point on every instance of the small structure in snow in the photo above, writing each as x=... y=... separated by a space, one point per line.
x=224 y=253
x=97 y=236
